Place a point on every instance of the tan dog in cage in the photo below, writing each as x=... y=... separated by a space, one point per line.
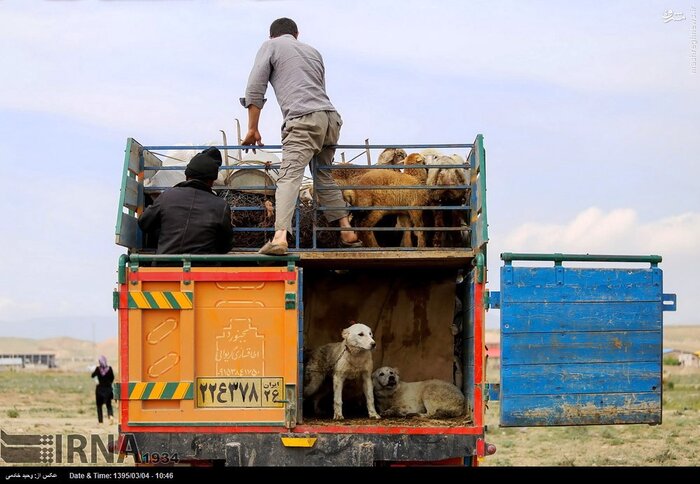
x=348 y=359
x=427 y=399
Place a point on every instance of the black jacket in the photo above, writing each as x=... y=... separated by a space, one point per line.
x=190 y=219
x=104 y=382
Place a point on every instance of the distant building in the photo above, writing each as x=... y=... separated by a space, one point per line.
x=30 y=359
x=690 y=360
x=11 y=363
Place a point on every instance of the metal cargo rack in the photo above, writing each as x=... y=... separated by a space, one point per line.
x=311 y=234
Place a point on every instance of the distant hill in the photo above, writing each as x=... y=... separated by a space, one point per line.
x=71 y=353
x=679 y=337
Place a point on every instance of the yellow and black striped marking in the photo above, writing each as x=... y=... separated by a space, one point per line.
x=160 y=300
x=159 y=390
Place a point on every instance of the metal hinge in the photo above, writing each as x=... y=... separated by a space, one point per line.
x=492 y=391
x=670 y=298
x=290 y=300
x=492 y=300
x=290 y=406
x=187 y=269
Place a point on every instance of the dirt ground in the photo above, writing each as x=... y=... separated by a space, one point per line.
x=676 y=442
x=50 y=402
x=53 y=403
x=62 y=402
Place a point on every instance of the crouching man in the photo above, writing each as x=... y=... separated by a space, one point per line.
x=189 y=218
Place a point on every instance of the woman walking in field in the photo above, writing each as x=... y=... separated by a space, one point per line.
x=103 y=391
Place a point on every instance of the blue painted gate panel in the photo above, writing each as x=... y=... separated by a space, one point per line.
x=580 y=346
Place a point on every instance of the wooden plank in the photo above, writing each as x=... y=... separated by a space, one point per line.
x=582 y=409
x=391 y=254
x=128 y=232
x=479 y=221
x=574 y=316
x=477 y=232
x=559 y=379
x=133 y=148
x=386 y=258
x=150 y=161
x=133 y=194
x=564 y=284
x=581 y=347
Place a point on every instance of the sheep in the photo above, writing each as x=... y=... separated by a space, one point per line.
x=438 y=177
x=346 y=176
x=388 y=198
x=392 y=156
x=421 y=174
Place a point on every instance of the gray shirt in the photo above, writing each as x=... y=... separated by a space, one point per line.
x=296 y=73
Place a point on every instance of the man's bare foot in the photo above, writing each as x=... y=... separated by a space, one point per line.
x=349 y=237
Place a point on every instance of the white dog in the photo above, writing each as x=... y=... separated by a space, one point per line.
x=428 y=398
x=351 y=358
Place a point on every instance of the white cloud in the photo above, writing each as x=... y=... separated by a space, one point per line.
x=545 y=82
x=620 y=231
x=5 y=302
x=11 y=308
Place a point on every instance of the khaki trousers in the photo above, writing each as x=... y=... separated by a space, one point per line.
x=306 y=139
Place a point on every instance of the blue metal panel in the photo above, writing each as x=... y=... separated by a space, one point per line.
x=580 y=346
x=560 y=284
x=581 y=409
x=581 y=378
x=572 y=316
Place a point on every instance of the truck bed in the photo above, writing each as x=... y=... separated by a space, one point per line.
x=386 y=258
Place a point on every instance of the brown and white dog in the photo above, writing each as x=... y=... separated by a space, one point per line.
x=428 y=398
x=348 y=359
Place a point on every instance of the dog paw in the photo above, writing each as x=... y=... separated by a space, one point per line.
x=338 y=416
x=374 y=415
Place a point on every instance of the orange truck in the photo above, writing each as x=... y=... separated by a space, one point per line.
x=212 y=347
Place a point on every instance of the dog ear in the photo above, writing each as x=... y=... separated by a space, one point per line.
x=345 y=333
x=396 y=370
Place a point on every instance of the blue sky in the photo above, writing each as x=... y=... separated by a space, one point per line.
x=591 y=118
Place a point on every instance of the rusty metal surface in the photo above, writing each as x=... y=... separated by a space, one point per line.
x=410 y=312
x=580 y=346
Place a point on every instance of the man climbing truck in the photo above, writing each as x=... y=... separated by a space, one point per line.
x=213 y=347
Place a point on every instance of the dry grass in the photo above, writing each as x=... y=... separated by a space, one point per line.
x=673 y=443
x=53 y=402
x=58 y=402
x=676 y=442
